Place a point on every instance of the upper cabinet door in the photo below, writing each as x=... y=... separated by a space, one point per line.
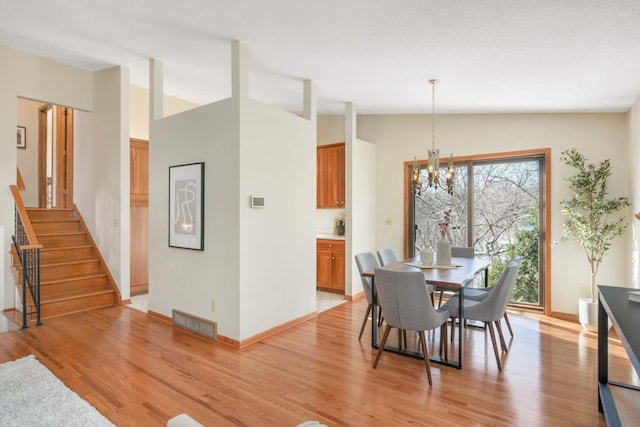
x=331 y=174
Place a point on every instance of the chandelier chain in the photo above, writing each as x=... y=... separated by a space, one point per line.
x=433 y=113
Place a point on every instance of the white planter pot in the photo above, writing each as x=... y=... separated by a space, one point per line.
x=588 y=314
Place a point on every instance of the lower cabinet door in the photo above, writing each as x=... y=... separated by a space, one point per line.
x=337 y=270
x=323 y=265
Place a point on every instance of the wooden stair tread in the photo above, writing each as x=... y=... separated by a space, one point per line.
x=40 y=220
x=61 y=233
x=74 y=262
x=73 y=278
x=62 y=248
x=77 y=295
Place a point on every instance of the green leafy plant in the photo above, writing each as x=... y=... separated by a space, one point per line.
x=591 y=218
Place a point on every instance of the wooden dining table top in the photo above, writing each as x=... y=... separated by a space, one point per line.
x=445 y=277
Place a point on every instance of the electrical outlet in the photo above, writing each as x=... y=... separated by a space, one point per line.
x=213 y=305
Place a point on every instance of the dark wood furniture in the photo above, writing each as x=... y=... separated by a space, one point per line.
x=330 y=265
x=442 y=278
x=618 y=401
x=330 y=176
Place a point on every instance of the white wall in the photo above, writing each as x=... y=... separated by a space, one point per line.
x=183 y=279
x=101 y=171
x=139 y=109
x=277 y=243
x=258 y=265
x=362 y=207
x=28 y=157
x=398 y=138
x=29 y=76
x=634 y=185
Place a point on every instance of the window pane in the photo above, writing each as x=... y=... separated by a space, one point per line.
x=505 y=220
x=431 y=205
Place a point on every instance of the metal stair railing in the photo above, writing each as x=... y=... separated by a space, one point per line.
x=28 y=250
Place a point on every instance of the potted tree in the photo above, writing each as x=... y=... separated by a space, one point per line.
x=592 y=220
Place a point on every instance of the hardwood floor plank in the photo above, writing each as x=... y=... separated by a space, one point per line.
x=139 y=371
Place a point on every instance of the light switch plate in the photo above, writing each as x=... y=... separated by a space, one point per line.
x=257 y=201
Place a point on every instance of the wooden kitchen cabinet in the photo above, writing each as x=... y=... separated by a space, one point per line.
x=330 y=265
x=330 y=176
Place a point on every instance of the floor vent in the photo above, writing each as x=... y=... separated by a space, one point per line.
x=200 y=326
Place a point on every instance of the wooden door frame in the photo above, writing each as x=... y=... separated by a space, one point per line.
x=63 y=125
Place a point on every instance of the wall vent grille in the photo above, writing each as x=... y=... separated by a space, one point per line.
x=200 y=326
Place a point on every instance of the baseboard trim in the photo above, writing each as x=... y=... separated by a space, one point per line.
x=273 y=331
x=239 y=345
x=565 y=316
x=354 y=297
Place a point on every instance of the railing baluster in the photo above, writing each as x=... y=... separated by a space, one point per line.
x=28 y=251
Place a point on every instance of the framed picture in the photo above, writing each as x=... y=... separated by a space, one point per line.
x=22 y=137
x=186 y=206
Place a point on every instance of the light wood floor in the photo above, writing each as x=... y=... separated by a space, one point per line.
x=141 y=372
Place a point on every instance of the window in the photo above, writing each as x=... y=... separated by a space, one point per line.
x=496 y=208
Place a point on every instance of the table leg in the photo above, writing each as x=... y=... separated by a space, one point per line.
x=603 y=350
x=460 y=325
x=374 y=315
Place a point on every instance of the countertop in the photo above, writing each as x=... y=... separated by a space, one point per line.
x=329 y=236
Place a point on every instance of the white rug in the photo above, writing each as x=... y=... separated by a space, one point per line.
x=30 y=395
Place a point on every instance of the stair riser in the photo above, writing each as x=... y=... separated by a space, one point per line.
x=84 y=303
x=64 y=271
x=56 y=227
x=62 y=240
x=62 y=289
x=39 y=215
x=65 y=254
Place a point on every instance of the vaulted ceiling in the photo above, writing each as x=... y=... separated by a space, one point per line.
x=491 y=56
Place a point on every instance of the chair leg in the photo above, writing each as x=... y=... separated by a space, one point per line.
x=453 y=328
x=440 y=299
x=506 y=318
x=364 y=321
x=425 y=351
x=380 y=318
x=503 y=343
x=382 y=343
x=443 y=341
x=495 y=346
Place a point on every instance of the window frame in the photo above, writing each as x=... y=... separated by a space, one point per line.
x=544 y=220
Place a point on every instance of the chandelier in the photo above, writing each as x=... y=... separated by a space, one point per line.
x=433 y=157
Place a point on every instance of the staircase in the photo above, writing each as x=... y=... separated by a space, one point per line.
x=73 y=275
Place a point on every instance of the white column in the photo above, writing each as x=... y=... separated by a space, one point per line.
x=239 y=70
x=310 y=101
x=156 y=91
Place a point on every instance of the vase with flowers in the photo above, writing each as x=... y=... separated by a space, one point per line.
x=443 y=246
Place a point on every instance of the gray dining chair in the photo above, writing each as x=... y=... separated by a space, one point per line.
x=459 y=252
x=367 y=261
x=478 y=294
x=387 y=256
x=405 y=301
x=491 y=309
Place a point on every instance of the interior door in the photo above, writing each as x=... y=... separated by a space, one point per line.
x=139 y=215
x=55 y=157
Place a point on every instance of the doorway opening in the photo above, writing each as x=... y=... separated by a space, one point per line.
x=55 y=157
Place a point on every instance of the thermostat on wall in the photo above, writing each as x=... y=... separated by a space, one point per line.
x=257 y=201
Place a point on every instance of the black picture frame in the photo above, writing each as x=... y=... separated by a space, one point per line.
x=21 y=137
x=186 y=206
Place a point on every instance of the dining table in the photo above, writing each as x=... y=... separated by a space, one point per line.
x=452 y=277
